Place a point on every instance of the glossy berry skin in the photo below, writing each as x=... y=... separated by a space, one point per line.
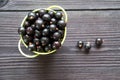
x=56 y=45
x=31 y=16
x=53 y=21
x=28 y=38
x=46 y=17
x=37 y=34
x=39 y=24
x=53 y=28
x=87 y=47
x=44 y=41
x=26 y=24
x=56 y=36
x=80 y=44
x=39 y=48
x=45 y=32
x=33 y=26
x=36 y=41
x=42 y=12
x=61 y=32
x=46 y=49
x=98 y=42
x=21 y=30
x=51 y=13
x=31 y=47
x=58 y=15
x=29 y=31
x=61 y=24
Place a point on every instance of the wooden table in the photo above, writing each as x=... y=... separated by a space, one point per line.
x=88 y=20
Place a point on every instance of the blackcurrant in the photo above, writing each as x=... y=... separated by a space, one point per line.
x=21 y=30
x=58 y=15
x=61 y=32
x=46 y=17
x=80 y=44
x=37 y=34
x=53 y=28
x=29 y=31
x=98 y=42
x=31 y=47
x=36 y=41
x=44 y=41
x=56 y=45
x=39 y=24
x=56 y=36
x=87 y=47
x=27 y=38
x=42 y=12
x=61 y=24
x=51 y=13
x=45 y=32
x=53 y=21
x=31 y=16
x=26 y=24
x=39 y=48
x=33 y=26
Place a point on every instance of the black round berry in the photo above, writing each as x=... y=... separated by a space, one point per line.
x=37 y=34
x=39 y=24
x=33 y=26
x=26 y=24
x=31 y=16
x=80 y=44
x=61 y=32
x=56 y=36
x=45 y=32
x=44 y=41
x=42 y=12
x=29 y=31
x=98 y=42
x=36 y=41
x=87 y=46
x=21 y=30
x=27 y=38
x=46 y=17
x=61 y=24
x=58 y=15
x=39 y=48
x=53 y=21
x=53 y=28
x=51 y=13
x=31 y=47
x=56 y=45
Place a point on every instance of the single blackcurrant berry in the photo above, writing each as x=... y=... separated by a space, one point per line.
x=39 y=49
x=58 y=15
x=21 y=30
x=53 y=28
x=42 y=12
x=87 y=46
x=31 y=47
x=61 y=24
x=80 y=44
x=36 y=41
x=61 y=32
x=31 y=16
x=46 y=17
x=56 y=36
x=27 y=38
x=53 y=21
x=39 y=24
x=44 y=41
x=56 y=45
x=37 y=34
x=51 y=13
x=98 y=42
x=47 y=48
x=33 y=26
x=29 y=31
x=45 y=32
x=26 y=24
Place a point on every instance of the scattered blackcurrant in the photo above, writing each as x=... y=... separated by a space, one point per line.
x=98 y=42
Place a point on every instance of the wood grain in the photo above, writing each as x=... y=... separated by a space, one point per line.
x=69 y=63
x=67 y=4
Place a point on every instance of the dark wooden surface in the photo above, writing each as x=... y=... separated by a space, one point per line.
x=88 y=19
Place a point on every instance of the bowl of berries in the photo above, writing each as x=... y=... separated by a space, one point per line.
x=43 y=31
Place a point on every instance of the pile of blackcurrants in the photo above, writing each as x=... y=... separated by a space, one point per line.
x=43 y=30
